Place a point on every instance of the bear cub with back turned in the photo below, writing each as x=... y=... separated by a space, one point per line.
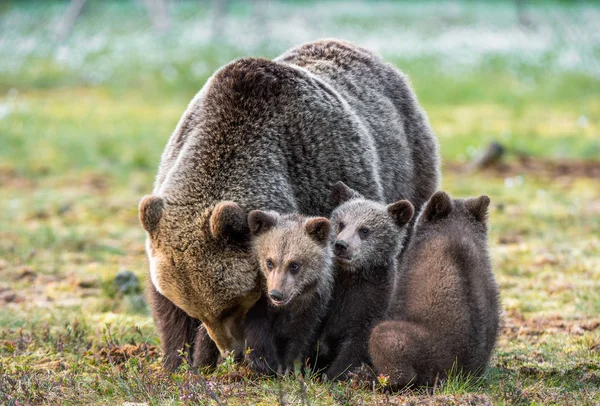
x=368 y=239
x=295 y=258
x=445 y=315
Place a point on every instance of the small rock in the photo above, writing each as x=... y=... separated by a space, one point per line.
x=136 y=303
x=64 y=208
x=127 y=282
x=490 y=156
x=26 y=273
x=88 y=283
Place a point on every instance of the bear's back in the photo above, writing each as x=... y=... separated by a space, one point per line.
x=447 y=285
x=384 y=102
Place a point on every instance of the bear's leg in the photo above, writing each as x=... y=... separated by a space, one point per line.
x=176 y=329
x=396 y=349
x=260 y=354
x=351 y=354
x=206 y=353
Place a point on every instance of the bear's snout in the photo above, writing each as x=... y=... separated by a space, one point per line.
x=277 y=296
x=341 y=250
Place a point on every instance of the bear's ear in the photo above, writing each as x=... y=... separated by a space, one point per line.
x=439 y=206
x=478 y=207
x=150 y=212
x=261 y=221
x=318 y=229
x=228 y=221
x=341 y=193
x=401 y=212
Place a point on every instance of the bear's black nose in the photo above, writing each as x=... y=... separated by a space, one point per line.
x=340 y=246
x=276 y=295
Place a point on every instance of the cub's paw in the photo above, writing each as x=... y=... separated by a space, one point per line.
x=260 y=364
x=364 y=373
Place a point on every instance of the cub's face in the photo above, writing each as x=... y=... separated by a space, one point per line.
x=367 y=233
x=293 y=253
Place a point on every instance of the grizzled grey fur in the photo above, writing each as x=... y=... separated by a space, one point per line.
x=272 y=135
x=446 y=313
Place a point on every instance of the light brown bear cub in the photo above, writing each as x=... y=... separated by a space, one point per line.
x=295 y=258
x=368 y=239
x=445 y=314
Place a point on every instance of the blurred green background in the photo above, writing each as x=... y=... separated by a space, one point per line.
x=106 y=94
x=87 y=105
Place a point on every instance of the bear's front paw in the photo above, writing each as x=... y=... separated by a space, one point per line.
x=259 y=364
x=337 y=374
x=364 y=373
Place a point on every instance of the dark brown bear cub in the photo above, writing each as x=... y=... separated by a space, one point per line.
x=445 y=315
x=295 y=258
x=368 y=238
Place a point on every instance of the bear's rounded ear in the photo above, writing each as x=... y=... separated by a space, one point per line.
x=439 y=206
x=401 y=212
x=478 y=207
x=150 y=211
x=318 y=228
x=261 y=221
x=341 y=193
x=228 y=221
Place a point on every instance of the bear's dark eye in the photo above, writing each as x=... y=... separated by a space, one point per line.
x=269 y=264
x=364 y=231
x=341 y=226
x=294 y=267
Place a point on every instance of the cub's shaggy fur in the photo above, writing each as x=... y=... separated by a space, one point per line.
x=368 y=239
x=295 y=257
x=446 y=313
x=271 y=135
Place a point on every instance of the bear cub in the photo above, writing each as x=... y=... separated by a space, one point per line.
x=445 y=314
x=295 y=258
x=368 y=239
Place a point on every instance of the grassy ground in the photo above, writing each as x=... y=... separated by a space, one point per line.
x=82 y=127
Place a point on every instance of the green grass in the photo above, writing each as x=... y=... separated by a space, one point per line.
x=80 y=141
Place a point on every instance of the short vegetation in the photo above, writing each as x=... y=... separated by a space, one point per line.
x=83 y=123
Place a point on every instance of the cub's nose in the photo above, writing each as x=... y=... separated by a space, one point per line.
x=276 y=295
x=340 y=247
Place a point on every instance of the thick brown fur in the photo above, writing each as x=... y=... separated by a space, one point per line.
x=273 y=135
x=295 y=258
x=365 y=274
x=445 y=315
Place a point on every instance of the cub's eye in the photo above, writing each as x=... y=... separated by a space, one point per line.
x=269 y=264
x=341 y=226
x=294 y=267
x=364 y=231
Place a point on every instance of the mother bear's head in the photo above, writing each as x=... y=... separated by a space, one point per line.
x=202 y=262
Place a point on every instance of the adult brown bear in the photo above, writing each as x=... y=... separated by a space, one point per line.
x=271 y=135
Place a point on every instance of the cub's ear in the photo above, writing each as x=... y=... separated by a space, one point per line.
x=261 y=221
x=228 y=221
x=150 y=212
x=478 y=207
x=439 y=206
x=318 y=229
x=401 y=212
x=341 y=193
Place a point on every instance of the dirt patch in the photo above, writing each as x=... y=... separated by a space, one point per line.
x=10 y=178
x=470 y=399
x=8 y=296
x=120 y=354
x=522 y=165
x=515 y=325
